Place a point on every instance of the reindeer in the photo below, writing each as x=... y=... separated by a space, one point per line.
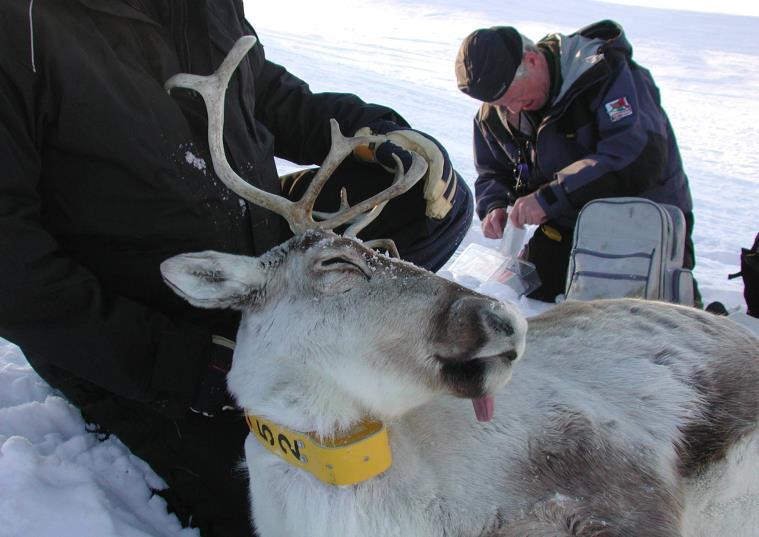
x=607 y=412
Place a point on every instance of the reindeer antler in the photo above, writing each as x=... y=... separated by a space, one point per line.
x=299 y=214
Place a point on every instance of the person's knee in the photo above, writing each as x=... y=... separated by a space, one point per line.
x=549 y=250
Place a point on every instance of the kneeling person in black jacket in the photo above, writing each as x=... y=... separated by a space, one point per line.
x=105 y=175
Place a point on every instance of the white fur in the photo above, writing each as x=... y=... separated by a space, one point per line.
x=328 y=342
x=724 y=499
x=451 y=475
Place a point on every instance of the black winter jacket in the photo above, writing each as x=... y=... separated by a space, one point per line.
x=604 y=134
x=104 y=175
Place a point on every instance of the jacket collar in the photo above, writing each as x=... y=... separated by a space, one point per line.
x=577 y=55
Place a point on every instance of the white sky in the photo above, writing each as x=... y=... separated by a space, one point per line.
x=727 y=7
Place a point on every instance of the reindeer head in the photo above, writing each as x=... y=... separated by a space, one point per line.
x=332 y=331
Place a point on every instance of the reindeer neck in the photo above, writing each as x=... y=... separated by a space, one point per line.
x=306 y=404
x=328 y=416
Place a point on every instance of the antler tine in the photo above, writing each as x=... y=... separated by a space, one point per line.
x=361 y=222
x=386 y=244
x=367 y=218
x=364 y=220
x=342 y=147
x=356 y=224
x=213 y=88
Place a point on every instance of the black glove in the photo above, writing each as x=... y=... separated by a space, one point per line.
x=440 y=179
x=212 y=396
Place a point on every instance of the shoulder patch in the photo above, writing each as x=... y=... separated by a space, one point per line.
x=618 y=108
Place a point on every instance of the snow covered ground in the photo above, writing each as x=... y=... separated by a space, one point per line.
x=57 y=480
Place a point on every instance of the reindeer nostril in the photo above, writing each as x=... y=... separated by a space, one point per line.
x=498 y=323
x=510 y=355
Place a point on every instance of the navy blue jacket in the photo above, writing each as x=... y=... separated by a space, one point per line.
x=604 y=134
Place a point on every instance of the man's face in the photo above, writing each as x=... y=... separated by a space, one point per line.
x=532 y=91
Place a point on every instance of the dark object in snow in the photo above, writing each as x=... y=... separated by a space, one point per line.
x=717 y=308
x=750 y=274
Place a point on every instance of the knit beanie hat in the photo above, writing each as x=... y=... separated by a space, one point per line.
x=487 y=61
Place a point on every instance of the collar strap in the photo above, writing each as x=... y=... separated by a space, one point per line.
x=359 y=455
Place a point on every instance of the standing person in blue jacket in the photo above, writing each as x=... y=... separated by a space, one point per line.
x=104 y=175
x=565 y=121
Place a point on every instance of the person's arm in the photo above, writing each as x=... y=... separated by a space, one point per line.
x=299 y=118
x=55 y=309
x=629 y=156
x=299 y=121
x=494 y=186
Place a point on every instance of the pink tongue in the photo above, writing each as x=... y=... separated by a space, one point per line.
x=484 y=407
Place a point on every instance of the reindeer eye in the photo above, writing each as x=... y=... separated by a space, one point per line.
x=343 y=264
x=334 y=261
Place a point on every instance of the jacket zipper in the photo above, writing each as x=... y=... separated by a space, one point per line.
x=179 y=33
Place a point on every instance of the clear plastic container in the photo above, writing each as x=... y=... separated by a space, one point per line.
x=518 y=274
x=485 y=264
x=513 y=240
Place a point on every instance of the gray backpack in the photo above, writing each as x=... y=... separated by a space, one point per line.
x=629 y=247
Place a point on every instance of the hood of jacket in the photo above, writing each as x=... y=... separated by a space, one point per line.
x=585 y=48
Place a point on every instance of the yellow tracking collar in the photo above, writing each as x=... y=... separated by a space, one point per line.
x=361 y=454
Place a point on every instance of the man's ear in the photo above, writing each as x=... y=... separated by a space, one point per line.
x=530 y=57
x=214 y=280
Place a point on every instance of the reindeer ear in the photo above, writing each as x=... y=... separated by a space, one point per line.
x=214 y=280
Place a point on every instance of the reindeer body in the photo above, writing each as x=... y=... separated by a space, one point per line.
x=585 y=431
x=612 y=407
